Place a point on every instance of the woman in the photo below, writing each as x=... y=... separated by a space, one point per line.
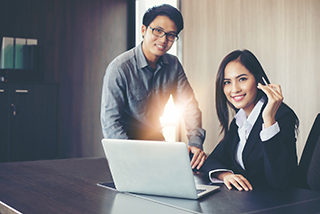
x=259 y=147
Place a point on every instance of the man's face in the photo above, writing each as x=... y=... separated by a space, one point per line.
x=154 y=47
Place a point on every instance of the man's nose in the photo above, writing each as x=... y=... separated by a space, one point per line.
x=164 y=38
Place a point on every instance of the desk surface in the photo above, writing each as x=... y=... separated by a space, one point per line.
x=69 y=186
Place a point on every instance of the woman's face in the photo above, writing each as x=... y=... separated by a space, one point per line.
x=239 y=86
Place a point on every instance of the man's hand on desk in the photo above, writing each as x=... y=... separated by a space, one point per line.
x=198 y=157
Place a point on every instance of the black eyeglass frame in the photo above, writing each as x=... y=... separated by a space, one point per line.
x=164 y=34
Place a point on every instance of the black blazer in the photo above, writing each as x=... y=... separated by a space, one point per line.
x=267 y=164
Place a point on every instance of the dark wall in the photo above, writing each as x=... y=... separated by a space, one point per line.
x=77 y=39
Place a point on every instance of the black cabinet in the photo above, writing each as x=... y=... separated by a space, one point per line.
x=28 y=124
x=4 y=125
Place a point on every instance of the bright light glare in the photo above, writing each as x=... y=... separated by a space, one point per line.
x=171 y=115
x=170 y=119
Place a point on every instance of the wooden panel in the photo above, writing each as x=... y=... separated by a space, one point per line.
x=93 y=33
x=282 y=34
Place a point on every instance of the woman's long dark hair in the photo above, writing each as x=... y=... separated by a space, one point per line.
x=250 y=62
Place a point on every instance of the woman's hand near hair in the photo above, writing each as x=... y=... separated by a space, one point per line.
x=275 y=98
x=237 y=180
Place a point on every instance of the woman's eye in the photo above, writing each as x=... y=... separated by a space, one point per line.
x=242 y=79
x=226 y=82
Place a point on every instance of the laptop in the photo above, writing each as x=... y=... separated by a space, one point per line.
x=153 y=168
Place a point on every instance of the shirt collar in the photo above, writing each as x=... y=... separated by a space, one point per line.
x=241 y=115
x=142 y=61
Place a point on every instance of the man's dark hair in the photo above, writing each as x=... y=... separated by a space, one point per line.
x=164 y=10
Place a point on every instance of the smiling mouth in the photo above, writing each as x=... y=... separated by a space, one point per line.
x=238 y=97
x=161 y=47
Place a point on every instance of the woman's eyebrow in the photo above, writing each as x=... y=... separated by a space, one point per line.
x=237 y=77
x=241 y=75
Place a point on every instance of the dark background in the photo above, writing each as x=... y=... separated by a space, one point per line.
x=77 y=39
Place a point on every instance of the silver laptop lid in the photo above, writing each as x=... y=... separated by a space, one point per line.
x=150 y=167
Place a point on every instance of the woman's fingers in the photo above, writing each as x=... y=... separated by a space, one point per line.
x=238 y=181
x=272 y=91
x=275 y=87
x=275 y=98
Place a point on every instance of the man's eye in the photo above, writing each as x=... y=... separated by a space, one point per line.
x=171 y=35
x=158 y=30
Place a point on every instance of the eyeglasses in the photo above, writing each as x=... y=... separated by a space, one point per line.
x=160 y=33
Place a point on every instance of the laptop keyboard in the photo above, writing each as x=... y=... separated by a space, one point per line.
x=200 y=191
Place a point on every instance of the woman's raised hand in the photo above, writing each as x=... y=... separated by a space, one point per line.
x=275 y=98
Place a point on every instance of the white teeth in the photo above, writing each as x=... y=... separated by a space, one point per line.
x=238 y=97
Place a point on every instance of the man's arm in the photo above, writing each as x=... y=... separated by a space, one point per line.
x=112 y=104
x=185 y=100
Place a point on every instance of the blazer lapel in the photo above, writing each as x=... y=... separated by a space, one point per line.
x=254 y=136
x=238 y=168
x=235 y=139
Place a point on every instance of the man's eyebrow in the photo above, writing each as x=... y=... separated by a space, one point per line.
x=159 y=27
x=166 y=32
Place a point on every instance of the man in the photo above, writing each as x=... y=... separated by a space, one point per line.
x=138 y=83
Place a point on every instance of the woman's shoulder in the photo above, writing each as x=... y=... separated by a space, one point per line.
x=284 y=110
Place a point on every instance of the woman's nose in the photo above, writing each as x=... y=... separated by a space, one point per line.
x=235 y=88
